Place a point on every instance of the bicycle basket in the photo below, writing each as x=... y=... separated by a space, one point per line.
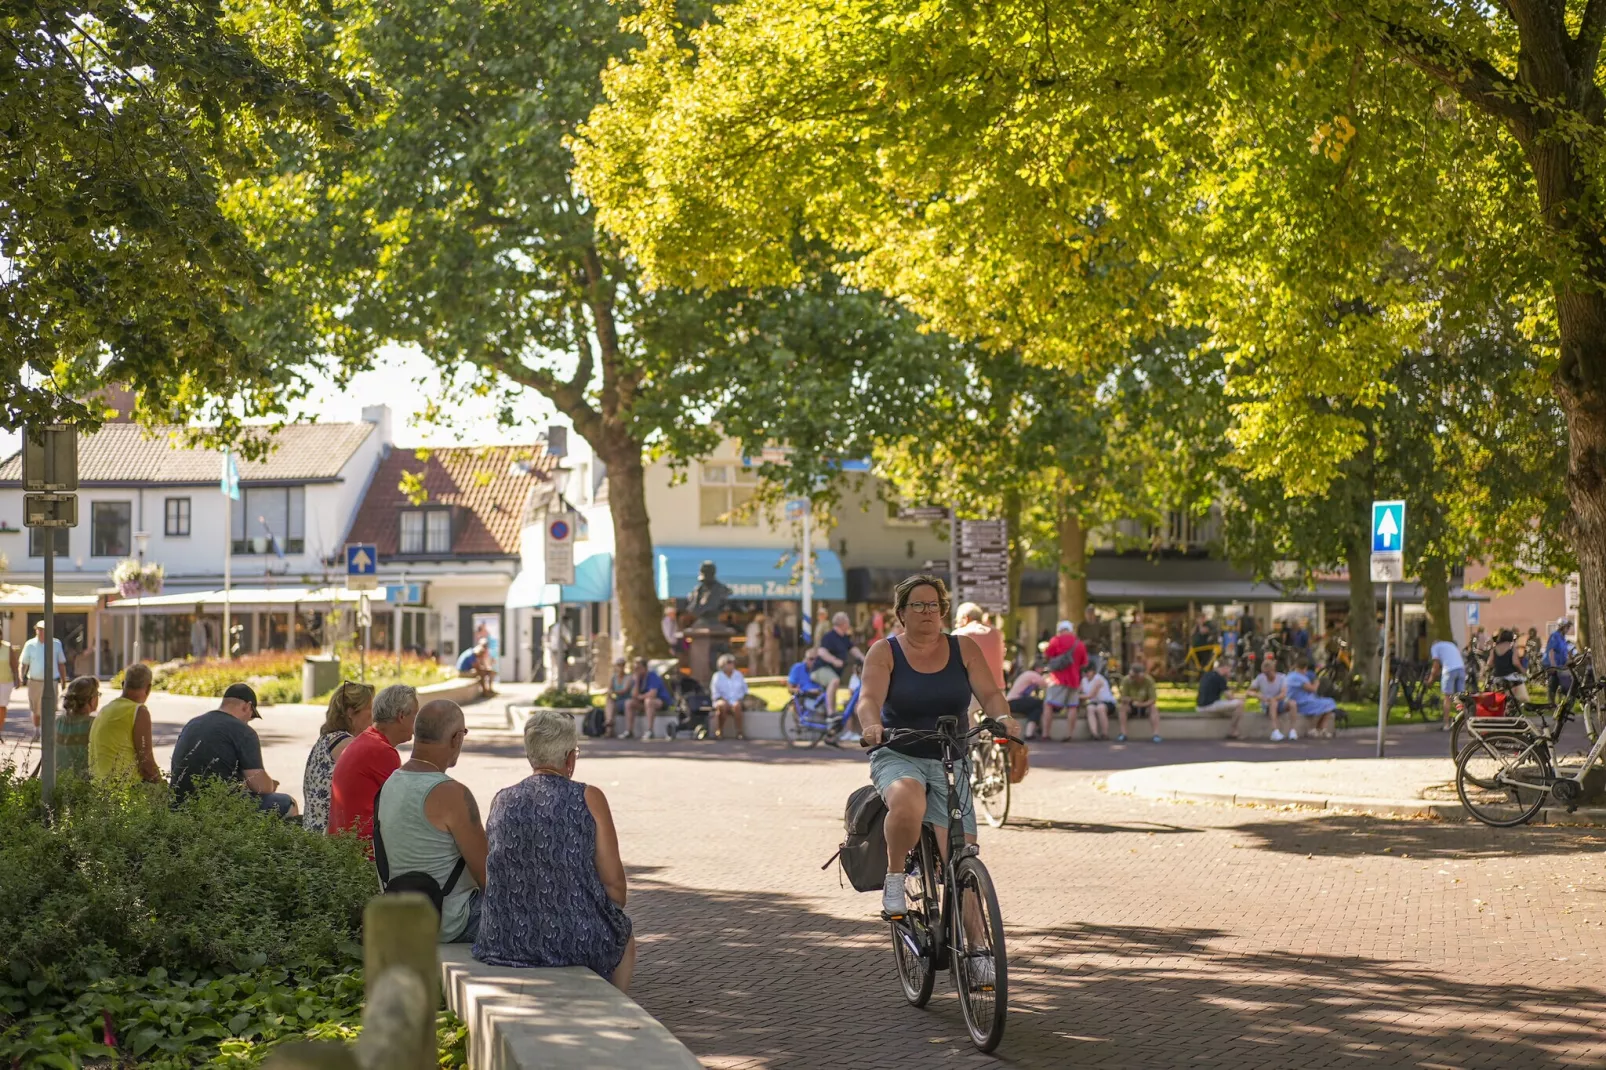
x=1490 y=704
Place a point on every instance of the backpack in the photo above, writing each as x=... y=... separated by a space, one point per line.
x=413 y=880
x=863 y=854
x=595 y=722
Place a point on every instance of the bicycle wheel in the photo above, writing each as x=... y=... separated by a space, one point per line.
x=914 y=938
x=980 y=966
x=798 y=729
x=1484 y=775
x=989 y=781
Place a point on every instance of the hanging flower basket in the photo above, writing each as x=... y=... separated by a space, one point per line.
x=132 y=580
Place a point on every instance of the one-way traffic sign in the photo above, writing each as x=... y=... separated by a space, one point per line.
x=1388 y=527
x=362 y=565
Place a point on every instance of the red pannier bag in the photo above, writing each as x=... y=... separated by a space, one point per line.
x=1490 y=704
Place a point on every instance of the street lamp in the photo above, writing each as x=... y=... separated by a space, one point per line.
x=141 y=540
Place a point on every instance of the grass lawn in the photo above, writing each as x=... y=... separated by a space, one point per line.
x=1176 y=700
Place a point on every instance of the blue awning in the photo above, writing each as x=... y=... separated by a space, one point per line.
x=752 y=574
x=593 y=582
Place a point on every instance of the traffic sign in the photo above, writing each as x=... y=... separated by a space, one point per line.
x=924 y=513
x=560 y=529
x=362 y=566
x=983 y=564
x=1388 y=568
x=1388 y=527
x=50 y=510
x=404 y=594
x=50 y=458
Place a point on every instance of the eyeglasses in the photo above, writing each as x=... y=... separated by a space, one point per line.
x=923 y=607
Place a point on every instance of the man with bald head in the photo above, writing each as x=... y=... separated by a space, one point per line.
x=426 y=822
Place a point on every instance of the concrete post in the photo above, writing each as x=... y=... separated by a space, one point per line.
x=400 y=931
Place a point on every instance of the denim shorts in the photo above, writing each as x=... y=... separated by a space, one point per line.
x=1453 y=681
x=888 y=765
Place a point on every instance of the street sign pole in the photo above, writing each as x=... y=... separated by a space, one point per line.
x=1383 y=688
x=47 y=706
x=808 y=574
x=953 y=567
x=363 y=615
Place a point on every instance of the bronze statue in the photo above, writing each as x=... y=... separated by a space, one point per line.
x=708 y=598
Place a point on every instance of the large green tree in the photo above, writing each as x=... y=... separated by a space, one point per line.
x=122 y=125
x=450 y=222
x=1259 y=167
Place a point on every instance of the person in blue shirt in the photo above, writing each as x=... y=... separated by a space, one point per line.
x=1557 y=651
x=649 y=696
x=1307 y=703
x=476 y=661
x=800 y=680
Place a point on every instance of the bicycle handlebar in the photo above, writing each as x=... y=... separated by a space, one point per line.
x=912 y=735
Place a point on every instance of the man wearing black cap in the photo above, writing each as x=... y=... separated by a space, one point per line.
x=222 y=744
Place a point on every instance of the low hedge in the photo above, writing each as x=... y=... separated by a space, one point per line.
x=276 y=677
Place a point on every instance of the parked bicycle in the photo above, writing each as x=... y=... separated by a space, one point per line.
x=953 y=921
x=989 y=779
x=1507 y=769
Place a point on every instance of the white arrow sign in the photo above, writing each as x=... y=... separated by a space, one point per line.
x=1387 y=529
x=362 y=560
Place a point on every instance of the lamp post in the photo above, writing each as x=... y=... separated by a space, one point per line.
x=141 y=540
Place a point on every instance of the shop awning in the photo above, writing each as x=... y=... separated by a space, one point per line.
x=752 y=574
x=243 y=599
x=593 y=582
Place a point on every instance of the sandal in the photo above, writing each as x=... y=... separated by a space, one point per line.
x=1235 y=735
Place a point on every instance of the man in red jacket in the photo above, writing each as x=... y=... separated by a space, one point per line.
x=368 y=761
x=1066 y=656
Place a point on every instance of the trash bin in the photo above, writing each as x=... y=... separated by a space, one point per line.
x=320 y=675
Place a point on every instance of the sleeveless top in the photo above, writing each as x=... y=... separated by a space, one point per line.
x=413 y=845
x=1505 y=664
x=315 y=781
x=544 y=901
x=72 y=743
x=5 y=663
x=916 y=699
x=111 y=741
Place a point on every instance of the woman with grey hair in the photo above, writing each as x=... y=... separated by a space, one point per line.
x=554 y=884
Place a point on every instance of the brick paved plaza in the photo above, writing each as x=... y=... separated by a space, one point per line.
x=1142 y=934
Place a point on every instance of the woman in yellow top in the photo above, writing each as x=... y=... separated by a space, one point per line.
x=120 y=741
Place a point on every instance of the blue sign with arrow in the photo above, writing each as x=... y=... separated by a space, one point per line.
x=1388 y=527
x=362 y=559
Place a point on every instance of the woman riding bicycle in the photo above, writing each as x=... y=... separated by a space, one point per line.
x=910 y=681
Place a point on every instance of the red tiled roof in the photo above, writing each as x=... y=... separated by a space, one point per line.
x=487 y=486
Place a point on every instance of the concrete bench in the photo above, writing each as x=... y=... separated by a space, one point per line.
x=557 y=1019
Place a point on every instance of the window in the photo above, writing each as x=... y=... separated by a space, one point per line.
x=111 y=529
x=39 y=537
x=723 y=491
x=178 y=518
x=264 y=513
x=425 y=531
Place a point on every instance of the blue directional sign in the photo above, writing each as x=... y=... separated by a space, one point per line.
x=1388 y=527
x=362 y=559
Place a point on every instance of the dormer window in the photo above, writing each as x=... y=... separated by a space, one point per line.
x=425 y=531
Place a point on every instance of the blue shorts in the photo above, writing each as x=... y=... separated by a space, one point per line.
x=888 y=765
x=1453 y=681
x=276 y=802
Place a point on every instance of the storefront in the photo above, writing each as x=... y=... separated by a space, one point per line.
x=189 y=624
x=580 y=612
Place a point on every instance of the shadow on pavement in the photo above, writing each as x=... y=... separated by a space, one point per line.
x=1361 y=835
x=762 y=979
x=1033 y=824
x=592 y=750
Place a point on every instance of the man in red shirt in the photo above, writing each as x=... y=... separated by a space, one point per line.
x=368 y=761
x=1066 y=656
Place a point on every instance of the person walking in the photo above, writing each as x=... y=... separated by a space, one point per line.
x=1066 y=656
x=426 y=822
x=350 y=712
x=120 y=745
x=369 y=759
x=32 y=664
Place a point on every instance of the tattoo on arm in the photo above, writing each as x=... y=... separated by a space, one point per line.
x=473 y=807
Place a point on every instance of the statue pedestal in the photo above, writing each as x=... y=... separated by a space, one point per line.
x=708 y=642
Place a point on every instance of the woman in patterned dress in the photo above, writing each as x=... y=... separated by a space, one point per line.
x=554 y=883
x=351 y=711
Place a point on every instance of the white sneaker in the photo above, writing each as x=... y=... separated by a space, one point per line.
x=892 y=898
x=980 y=970
x=1277 y=735
x=850 y=737
x=1293 y=733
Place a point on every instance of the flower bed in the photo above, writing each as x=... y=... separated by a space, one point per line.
x=277 y=676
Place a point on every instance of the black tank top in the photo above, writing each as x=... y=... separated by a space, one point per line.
x=1505 y=664
x=916 y=699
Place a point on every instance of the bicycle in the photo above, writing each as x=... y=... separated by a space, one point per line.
x=989 y=780
x=1467 y=702
x=1509 y=761
x=1199 y=660
x=952 y=918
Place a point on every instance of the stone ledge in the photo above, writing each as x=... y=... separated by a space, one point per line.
x=558 y=1019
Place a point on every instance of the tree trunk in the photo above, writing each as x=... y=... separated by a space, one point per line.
x=1017 y=565
x=1581 y=387
x=1362 y=603
x=1072 y=567
x=1436 y=595
x=639 y=606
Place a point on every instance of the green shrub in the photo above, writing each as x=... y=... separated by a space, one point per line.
x=276 y=676
x=120 y=883
x=562 y=698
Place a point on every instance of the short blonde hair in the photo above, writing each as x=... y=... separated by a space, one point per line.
x=549 y=736
x=724 y=660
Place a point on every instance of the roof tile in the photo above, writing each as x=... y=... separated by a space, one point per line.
x=127 y=453
x=487 y=485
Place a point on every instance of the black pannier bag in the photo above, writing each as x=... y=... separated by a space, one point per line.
x=863 y=853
